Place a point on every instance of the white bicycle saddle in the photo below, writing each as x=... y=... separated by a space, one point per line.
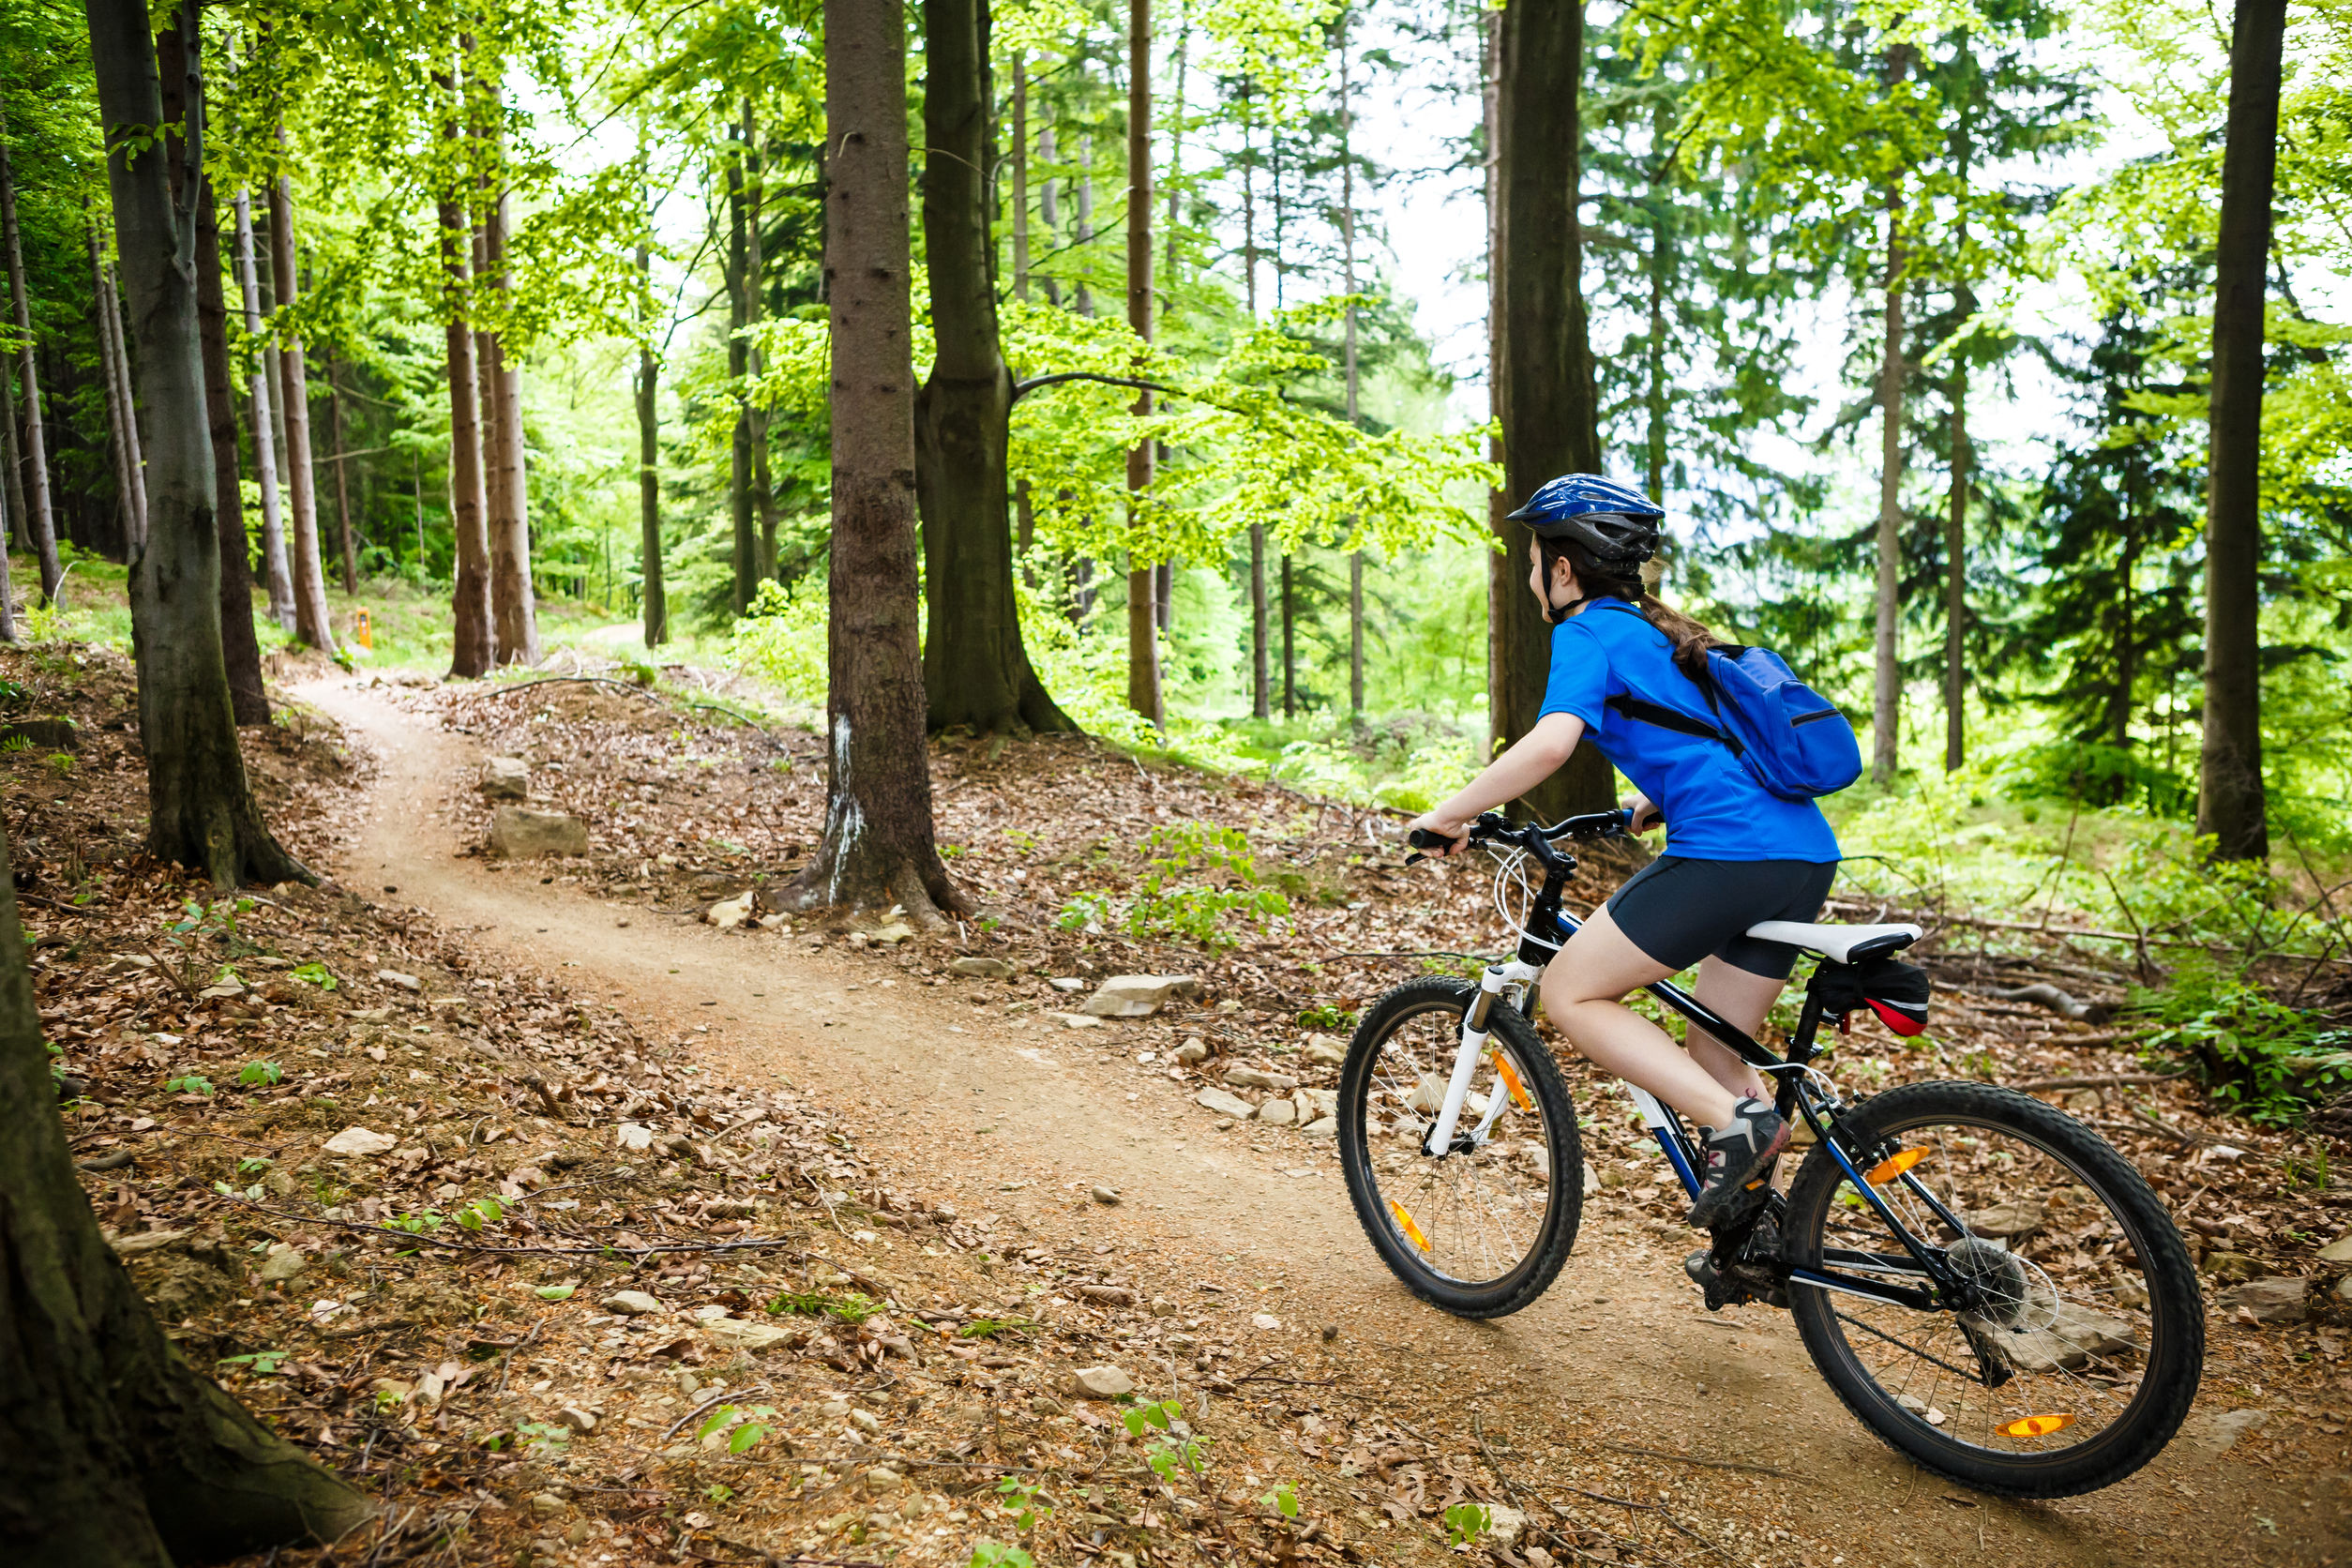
x=1845 y=945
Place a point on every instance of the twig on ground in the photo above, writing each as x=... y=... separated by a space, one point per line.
x=2102 y=1080
x=2164 y=1126
x=1703 y=1464
x=407 y=1237
x=506 y=1367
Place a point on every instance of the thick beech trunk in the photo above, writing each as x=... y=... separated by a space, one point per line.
x=1542 y=363
x=241 y=650
x=38 y=518
x=878 y=847
x=975 y=670
x=201 y=811
x=755 y=362
x=313 y=622
x=1956 y=582
x=473 y=645
x=656 y=600
x=514 y=612
x=2230 y=801
x=1144 y=642
x=280 y=574
x=736 y=269
x=1290 y=646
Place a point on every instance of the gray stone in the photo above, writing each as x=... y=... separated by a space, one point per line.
x=1320 y=1104
x=1101 y=1382
x=1079 y=1020
x=1191 y=1054
x=2233 y=1268
x=505 y=778
x=1253 y=1077
x=2007 y=1220
x=1225 y=1102
x=630 y=1304
x=738 y=1334
x=147 y=1241
x=2072 y=1339
x=1067 y=983
x=2274 y=1300
x=403 y=982
x=2339 y=1250
x=282 y=1264
x=2219 y=1432
x=1503 y=1527
x=1279 y=1113
x=1325 y=1051
x=1138 y=996
x=1322 y=1126
x=359 y=1141
x=583 y=1421
x=1105 y=1196
x=520 y=833
x=982 y=969
x=2344 y=1289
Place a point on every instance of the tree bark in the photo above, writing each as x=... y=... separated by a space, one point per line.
x=655 y=599
x=37 y=515
x=1144 y=642
x=2231 y=805
x=241 y=653
x=1886 y=706
x=12 y=488
x=1290 y=646
x=201 y=811
x=1261 y=679
x=513 y=611
x=1348 y=257
x=736 y=268
x=281 y=577
x=755 y=303
x=342 y=479
x=474 y=640
x=975 y=667
x=313 y=622
x=1542 y=362
x=121 y=422
x=878 y=847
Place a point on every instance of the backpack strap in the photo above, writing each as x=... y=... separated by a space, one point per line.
x=1642 y=710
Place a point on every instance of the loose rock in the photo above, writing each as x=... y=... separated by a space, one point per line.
x=2339 y=1250
x=630 y=1304
x=1225 y=1102
x=737 y=1333
x=359 y=1141
x=282 y=1264
x=727 y=913
x=629 y=1134
x=1192 y=1053
x=1105 y=1196
x=505 y=778
x=1265 y=1320
x=1503 y=1527
x=2234 y=1267
x=520 y=833
x=982 y=969
x=1325 y=1051
x=1253 y=1077
x=1322 y=1126
x=1079 y=1020
x=583 y=1421
x=405 y=982
x=1102 y=1382
x=1138 y=996
x=1279 y=1113
x=2274 y=1300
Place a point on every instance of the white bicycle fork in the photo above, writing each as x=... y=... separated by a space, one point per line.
x=1499 y=986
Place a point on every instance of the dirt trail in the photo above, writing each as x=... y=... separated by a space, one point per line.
x=1021 y=1116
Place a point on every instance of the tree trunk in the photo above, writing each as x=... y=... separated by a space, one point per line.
x=754 y=301
x=240 y=651
x=1048 y=208
x=1020 y=179
x=201 y=812
x=313 y=622
x=1144 y=642
x=1083 y=225
x=1661 y=223
x=1348 y=257
x=975 y=670
x=877 y=848
x=656 y=601
x=474 y=641
x=121 y=421
x=2230 y=800
x=282 y=594
x=1260 y=683
x=1542 y=363
x=12 y=488
x=1886 y=707
x=343 y=478
x=514 y=615
x=1956 y=582
x=37 y=516
x=736 y=268
x=1289 y=647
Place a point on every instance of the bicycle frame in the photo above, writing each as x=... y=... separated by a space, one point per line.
x=1512 y=984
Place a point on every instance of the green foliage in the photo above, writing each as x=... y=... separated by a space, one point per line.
x=187 y=1083
x=746 y=1425
x=261 y=1074
x=262 y=1364
x=853 y=1307
x=995 y=1554
x=543 y=1438
x=1024 y=1501
x=1283 y=1500
x=1166 y=1448
x=1327 y=1014
x=1194 y=874
x=1465 y=1522
x=314 y=975
x=2269 y=1062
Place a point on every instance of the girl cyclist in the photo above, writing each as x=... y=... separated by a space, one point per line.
x=1736 y=854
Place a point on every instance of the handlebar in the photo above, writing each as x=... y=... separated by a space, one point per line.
x=1534 y=838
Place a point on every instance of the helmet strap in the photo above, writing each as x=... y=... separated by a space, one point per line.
x=1555 y=614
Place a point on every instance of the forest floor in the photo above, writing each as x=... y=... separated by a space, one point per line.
x=907 y=1167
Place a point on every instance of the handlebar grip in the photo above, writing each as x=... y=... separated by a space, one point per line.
x=1421 y=838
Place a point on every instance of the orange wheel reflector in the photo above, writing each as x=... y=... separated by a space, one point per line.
x=1405 y=1223
x=1888 y=1169
x=2035 y=1426
x=1511 y=1082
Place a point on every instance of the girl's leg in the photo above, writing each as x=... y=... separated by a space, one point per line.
x=1743 y=999
x=1581 y=988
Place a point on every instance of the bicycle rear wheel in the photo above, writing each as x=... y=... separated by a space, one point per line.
x=1481 y=1233
x=2080 y=1353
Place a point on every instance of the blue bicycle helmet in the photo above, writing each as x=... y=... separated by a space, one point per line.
x=1616 y=524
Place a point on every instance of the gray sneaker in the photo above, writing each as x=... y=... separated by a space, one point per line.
x=1739 y=1163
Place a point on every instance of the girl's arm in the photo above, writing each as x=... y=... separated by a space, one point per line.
x=1537 y=755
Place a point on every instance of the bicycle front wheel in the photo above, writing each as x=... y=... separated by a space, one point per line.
x=1483 y=1232
x=2075 y=1354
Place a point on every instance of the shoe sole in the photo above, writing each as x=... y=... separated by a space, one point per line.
x=1704 y=1214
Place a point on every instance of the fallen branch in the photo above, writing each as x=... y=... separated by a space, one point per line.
x=2072 y=931
x=2104 y=1080
x=2043 y=994
x=600 y=1249
x=2167 y=1128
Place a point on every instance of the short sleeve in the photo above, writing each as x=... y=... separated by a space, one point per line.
x=1580 y=679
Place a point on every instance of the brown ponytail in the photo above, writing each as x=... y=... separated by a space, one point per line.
x=1691 y=639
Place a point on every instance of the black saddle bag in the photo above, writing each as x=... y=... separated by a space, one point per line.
x=1898 y=992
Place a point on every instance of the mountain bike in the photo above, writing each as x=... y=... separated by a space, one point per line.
x=1984 y=1281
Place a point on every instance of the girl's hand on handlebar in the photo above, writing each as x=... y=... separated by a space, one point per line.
x=1450 y=832
x=1642 y=814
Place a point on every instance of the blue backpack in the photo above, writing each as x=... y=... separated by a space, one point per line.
x=1790 y=738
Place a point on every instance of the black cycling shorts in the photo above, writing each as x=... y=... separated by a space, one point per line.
x=1681 y=911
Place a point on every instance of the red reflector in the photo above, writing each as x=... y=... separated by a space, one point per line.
x=1896 y=1018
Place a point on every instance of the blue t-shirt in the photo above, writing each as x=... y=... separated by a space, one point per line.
x=1714 y=809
